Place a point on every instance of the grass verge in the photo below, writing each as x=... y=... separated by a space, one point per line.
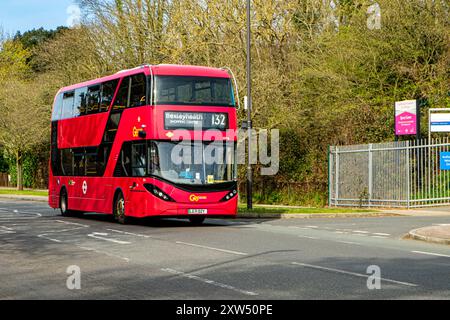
x=23 y=193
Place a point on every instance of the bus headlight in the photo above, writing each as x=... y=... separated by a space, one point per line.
x=157 y=192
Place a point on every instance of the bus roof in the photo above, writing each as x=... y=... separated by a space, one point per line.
x=160 y=70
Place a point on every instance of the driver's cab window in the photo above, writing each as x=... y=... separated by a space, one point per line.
x=154 y=165
x=138 y=160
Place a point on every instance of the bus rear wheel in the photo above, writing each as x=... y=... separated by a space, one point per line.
x=119 y=209
x=197 y=221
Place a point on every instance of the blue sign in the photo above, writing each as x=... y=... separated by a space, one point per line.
x=445 y=160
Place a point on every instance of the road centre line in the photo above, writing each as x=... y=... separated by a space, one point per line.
x=351 y=273
x=212 y=248
x=207 y=281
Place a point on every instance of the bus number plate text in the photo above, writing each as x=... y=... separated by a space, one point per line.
x=198 y=211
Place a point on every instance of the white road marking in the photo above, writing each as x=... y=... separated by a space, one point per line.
x=432 y=254
x=102 y=236
x=105 y=253
x=381 y=234
x=379 y=237
x=47 y=238
x=340 y=232
x=210 y=282
x=6 y=230
x=349 y=242
x=13 y=215
x=46 y=233
x=313 y=227
x=212 y=248
x=73 y=223
x=351 y=273
x=312 y=238
x=129 y=233
x=17 y=218
x=32 y=213
x=359 y=231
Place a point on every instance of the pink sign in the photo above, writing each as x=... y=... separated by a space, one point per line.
x=405 y=123
x=406 y=118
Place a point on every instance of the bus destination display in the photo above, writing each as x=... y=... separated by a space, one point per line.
x=195 y=120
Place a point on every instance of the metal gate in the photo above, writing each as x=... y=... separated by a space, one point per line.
x=405 y=174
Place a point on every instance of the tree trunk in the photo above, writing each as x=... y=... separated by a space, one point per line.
x=19 y=167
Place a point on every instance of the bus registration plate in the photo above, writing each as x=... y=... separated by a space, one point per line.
x=198 y=211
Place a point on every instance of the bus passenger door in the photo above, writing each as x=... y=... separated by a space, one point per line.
x=138 y=195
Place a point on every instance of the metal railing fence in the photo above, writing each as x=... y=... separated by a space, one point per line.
x=403 y=174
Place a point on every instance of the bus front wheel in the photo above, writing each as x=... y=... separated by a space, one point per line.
x=119 y=209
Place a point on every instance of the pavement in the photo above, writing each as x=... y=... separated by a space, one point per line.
x=437 y=234
x=242 y=259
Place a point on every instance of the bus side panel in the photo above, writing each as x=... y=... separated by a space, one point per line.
x=53 y=192
x=137 y=204
x=86 y=131
x=88 y=194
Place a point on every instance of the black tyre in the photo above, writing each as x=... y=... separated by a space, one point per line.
x=197 y=221
x=64 y=204
x=119 y=209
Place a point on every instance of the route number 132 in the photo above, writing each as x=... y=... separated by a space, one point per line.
x=218 y=120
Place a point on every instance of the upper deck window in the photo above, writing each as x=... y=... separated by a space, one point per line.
x=93 y=99
x=57 y=108
x=132 y=92
x=195 y=91
x=67 y=107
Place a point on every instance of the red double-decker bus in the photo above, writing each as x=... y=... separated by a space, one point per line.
x=114 y=145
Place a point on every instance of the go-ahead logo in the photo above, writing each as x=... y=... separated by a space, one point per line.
x=196 y=198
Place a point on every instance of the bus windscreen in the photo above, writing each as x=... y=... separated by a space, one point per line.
x=193 y=163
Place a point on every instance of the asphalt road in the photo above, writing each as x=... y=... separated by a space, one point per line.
x=224 y=259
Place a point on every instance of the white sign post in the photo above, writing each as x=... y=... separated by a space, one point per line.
x=438 y=120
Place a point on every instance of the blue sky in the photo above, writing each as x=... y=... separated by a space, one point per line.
x=23 y=15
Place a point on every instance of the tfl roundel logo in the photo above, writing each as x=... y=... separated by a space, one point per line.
x=196 y=198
